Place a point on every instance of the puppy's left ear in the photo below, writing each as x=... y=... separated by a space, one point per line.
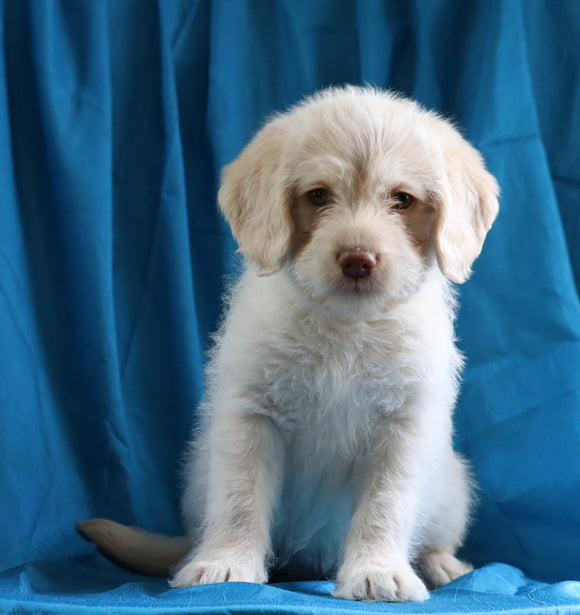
x=254 y=198
x=467 y=205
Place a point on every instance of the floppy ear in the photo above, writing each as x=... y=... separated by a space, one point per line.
x=254 y=198
x=467 y=206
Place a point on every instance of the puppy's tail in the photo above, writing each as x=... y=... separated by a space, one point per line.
x=135 y=549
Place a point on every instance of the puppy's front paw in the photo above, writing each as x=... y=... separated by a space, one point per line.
x=378 y=582
x=203 y=571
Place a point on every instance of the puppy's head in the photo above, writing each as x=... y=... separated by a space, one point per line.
x=358 y=193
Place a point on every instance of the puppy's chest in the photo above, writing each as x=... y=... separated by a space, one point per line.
x=332 y=385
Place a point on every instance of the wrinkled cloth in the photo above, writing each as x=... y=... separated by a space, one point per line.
x=89 y=584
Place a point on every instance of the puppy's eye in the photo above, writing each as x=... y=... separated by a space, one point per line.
x=402 y=200
x=319 y=197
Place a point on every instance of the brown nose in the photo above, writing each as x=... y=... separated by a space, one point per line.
x=356 y=262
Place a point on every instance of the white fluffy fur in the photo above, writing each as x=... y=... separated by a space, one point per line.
x=326 y=436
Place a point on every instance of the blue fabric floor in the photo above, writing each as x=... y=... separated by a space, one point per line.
x=89 y=584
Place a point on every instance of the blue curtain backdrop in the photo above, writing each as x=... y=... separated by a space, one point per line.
x=115 y=119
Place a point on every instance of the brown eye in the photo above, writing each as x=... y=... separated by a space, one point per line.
x=403 y=200
x=319 y=197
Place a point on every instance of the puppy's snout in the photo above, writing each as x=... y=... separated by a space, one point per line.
x=356 y=262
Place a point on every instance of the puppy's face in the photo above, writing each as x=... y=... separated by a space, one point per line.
x=358 y=193
x=363 y=217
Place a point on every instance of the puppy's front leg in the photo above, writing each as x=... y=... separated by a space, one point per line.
x=376 y=560
x=245 y=467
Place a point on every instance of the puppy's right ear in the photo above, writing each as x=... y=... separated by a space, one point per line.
x=254 y=198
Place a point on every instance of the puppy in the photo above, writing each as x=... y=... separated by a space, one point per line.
x=325 y=443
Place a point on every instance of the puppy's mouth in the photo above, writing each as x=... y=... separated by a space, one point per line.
x=358 y=287
x=359 y=298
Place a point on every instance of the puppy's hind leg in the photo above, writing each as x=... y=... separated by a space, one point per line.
x=244 y=475
x=437 y=563
x=441 y=567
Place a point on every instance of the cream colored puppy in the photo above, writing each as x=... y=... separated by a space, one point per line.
x=326 y=437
